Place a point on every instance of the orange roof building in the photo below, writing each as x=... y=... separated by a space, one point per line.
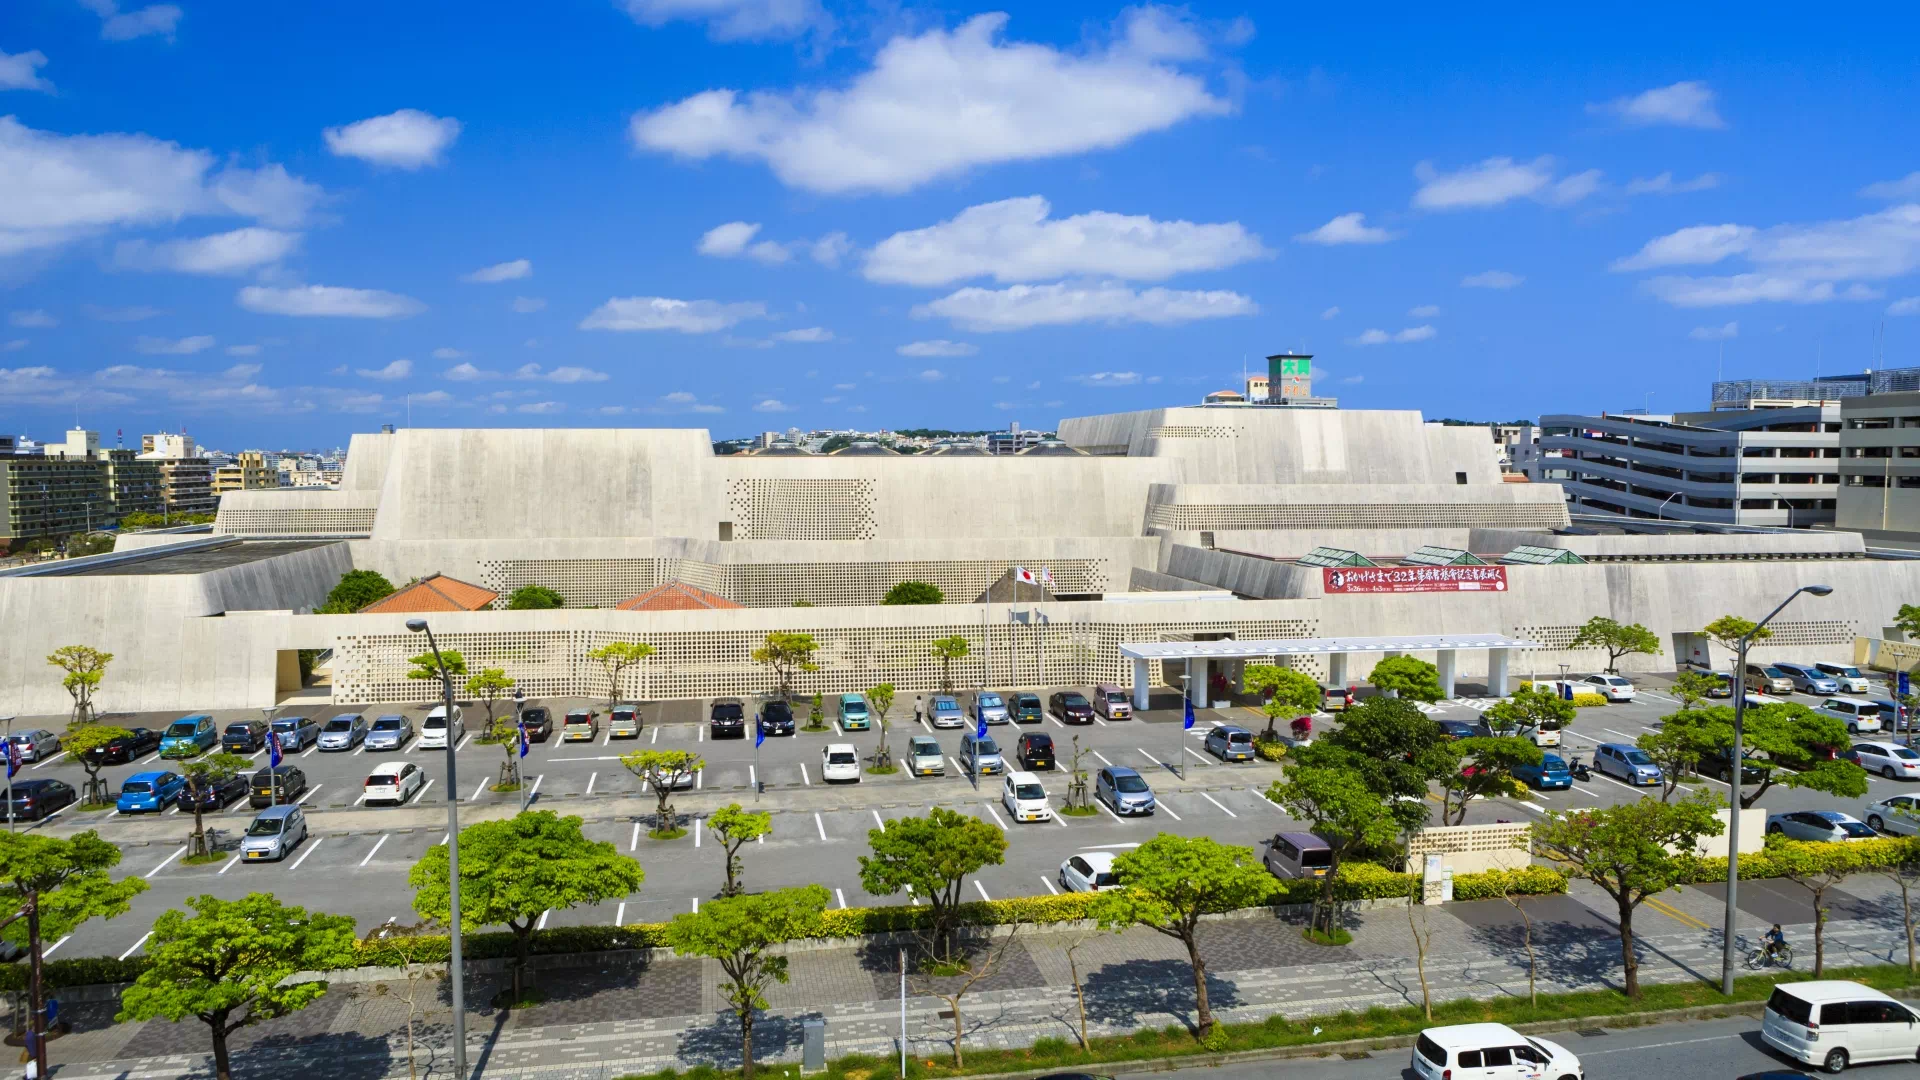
x=676 y=596
x=435 y=592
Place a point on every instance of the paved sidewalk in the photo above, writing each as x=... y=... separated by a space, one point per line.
x=636 y=1014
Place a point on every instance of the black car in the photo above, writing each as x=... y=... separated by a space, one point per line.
x=244 y=736
x=292 y=785
x=135 y=743
x=776 y=718
x=1071 y=706
x=1035 y=750
x=35 y=799
x=1460 y=729
x=728 y=720
x=215 y=796
x=1717 y=763
x=538 y=722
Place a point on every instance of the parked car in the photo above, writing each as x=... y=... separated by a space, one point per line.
x=980 y=755
x=1859 y=715
x=390 y=732
x=343 y=732
x=943 y=711
x=435 y=730
x=1034 y=750
x=1891 y=760
x=278 y=784
x=213 y=796
x=1550 y=775
x=244 y=736
x=924 y=757
x=188 y=737
x=776 y=718
x=1336 y=698
x=1089 y=871
x=35 y=799
x=1893 y=715
x=296 y=732
x=1612 y=687
x=1768 y=679
x=726 y=718
x=1111 y=702
x=1230 y=743
x=1025 y=798
x=583 y=725
x=1722 y=685
x=1818 y=825
x=1124 y=791
x=1024 y=708
x=538 y=722
x=839 y=761
x=394 y=782
x=1898 y=815
x=1545 y=733
x=1460 y=729
x=1487 y=1051
x=274 y=833
x=623 y=721
x=149 y=792
x=36 y=744
x=1070 y=707
x=135 y=743
x=1718 y=764
x=990 y=707
x=1808 y=679
x=853 y=713
x=1298 y=855
x=1834 y=1024
x=1851 y=679
x=1626 y=762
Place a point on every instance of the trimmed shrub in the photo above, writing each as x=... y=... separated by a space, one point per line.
x=1588 y=701
x=83 y=971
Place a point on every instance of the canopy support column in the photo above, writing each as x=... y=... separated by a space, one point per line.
x=1337 y=670
x=1140 y=686
x=1448 y=664
x=1497 y=672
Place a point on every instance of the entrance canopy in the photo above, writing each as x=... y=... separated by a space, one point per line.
x=1197 y=654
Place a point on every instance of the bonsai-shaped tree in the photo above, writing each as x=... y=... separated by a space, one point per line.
x=1407 y=676
x=1528 y=710
x=663 y=771
x=1287 y=692
x=949 y=649
x=488 y=688
x=615 y=657
x=202 y=775
x=914 y=592
x=1483 y=769
x=85 y=666
x=1344 y=812
x=734 y=827
x=534 y=598
x=1908 y=620
x=1618 y=639
x=1692 y=687
x=931 y=856
x=787 y=654
x=80 y=743
x=1726 y=632
x=882 y=699
x=741 y=933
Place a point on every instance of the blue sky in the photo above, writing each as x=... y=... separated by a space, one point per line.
x=271 y=223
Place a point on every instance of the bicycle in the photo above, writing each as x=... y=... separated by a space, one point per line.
x=1762 y=956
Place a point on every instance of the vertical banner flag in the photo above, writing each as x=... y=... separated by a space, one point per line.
x=1188 y=722
x=523 y=738
x=1046 y=577
x=759 y=733
x=13 y=758
x=980 y=730
x=273 y=749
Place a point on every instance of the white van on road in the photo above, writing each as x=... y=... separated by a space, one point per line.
x=1834 y=1024
x=1490 y=1052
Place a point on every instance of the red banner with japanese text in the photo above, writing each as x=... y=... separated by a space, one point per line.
x=1401 y=579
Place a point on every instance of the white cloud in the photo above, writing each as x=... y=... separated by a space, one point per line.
x=541 y=408
x=186 y=346
x=1909 y=306
x=407 y=139
x=15 y=345
x=21 y=71
x=1381 y=337
x=1907 y=187
x=269 y=193
x=772 y=405
x=727 y=240
x=1353 y=380
x=1796 y=263
x=498 y=272
x=117 y=25
x=935 y=347
x=1490 y=183
x=663 y=313
x=1330 y=313
x=1020 y=307
x=136 y=313
x=1572 y=189
x=678 y=397
x=399 y=369
x=1424 y=311
x=560 y=374
x=811 y=335
x=243 y=350
x=1414 y=333
x=1491 y=279
x=431 y=397
x=1715 y=333
x=464 y=372
x=444 y=353
x=941 y=103
x=33 y=319
x=1750 y=289
x=223 y=253
x=1664 y=184
x=1684 y=104
x=733 y=20
x=330 y=300
x=527 y=305
x=932 y=375
x=830 y=249
x=1107 y=378
x=1013 y=240
x=1694 y=245
x=1346 y=229
x=844 y=385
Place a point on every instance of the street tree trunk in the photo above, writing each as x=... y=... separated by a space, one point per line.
x=1628 y=962
x=1203 y=1013
x=746 y=1043
x=199 y=845
x=522 y=947
x=222 y=1065
x=1819 y=931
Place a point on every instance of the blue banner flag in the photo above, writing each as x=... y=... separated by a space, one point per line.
x=523 y=738
x=980 y=730
x=53 y=1010
x=1905 y=685
x=13 y=758
x=273 y=749
x=759 y=735
x=1188 y=722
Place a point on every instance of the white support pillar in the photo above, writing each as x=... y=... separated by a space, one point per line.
x=1197 y=686
x=1449 y=667
x=1337 y=670
x=1140 y=686
x=1497 y=672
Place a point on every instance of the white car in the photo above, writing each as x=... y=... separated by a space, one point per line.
x=1859 y=714
x=394 y=782
x=1850 y=678
x=1835 y=1024
x=1891 y=760
x=1489 y=1052
x=1897 y=814
x=1089 y=871
x=1025 y=797
x=433 y=730
x=839 y=761
x=1612 y=687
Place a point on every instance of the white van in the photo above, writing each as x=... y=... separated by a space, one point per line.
x=1025 y=798
x=1489 y=1052
x=1834 y=1024
x=433 y=730
x=1861 y=716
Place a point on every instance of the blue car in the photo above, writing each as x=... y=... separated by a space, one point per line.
x=1550 y=775
x=150 y=792
x=188 y=737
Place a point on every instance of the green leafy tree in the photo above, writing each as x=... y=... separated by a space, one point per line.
x=931 y=857
x=534 y=598
x=1529 y=710
x=1407 y=676
x=202 y=775
x=1287 y=692
x=1726 y=632
x=82 y=741
x=515 y=870
x=1908 y=620
x=230 y=964
x=615 y=657
x=1344 y=811
x=425 y=666
x=1676 y=749
x=1692 y=687
x=740 y=933
x=1631 y=851
x=1167 y=883
x=915 y=592
x=947 y=650
x=85 y=666
x=1484 y=770
x=787 y=655
x=663 y=771
x=1395 y=749
x=881 y=698
x=1788 y=743
x=357 y=589
x=488 y=688
x=734 y=827
x=1618 y=639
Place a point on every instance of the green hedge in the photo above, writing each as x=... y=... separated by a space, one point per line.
x=1864 y=856
x=86 y=971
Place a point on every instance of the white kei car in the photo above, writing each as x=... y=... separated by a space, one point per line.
x=839 y=761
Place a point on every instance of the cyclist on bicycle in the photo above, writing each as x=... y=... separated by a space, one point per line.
x=1776 y=940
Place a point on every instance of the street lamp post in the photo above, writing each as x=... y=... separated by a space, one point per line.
x=1736 y=767
x=273 y=787
x=8 y=747
x=419 y=626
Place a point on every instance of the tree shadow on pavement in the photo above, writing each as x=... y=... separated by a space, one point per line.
x=718 y=1043
x=1122 y=993
x=1568 y=953
x=347 y=1055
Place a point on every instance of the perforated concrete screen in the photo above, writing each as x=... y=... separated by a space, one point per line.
x=1221 y=518
x=801 y=509
x=311 y=521
x=1192 y=431
x=606 y=582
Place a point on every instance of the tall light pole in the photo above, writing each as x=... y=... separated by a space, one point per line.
x=419 y=626
x=8 y=748
x=1736 y=767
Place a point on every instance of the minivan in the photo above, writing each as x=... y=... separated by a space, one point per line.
x=1810 y=680
x=1298 y=855
x=1111 y=702
x=1489 y=1052
x=1769 y=679
x=434 y=730
x=980 y=755
x=1834 y=1024
x=1851 y=679
x=853 y=713
x=1860 y=716
x=924 y=757
x=188 y=736
x=274 y=833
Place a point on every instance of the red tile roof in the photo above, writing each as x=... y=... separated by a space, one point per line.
x=676 y=596
x=433 y=593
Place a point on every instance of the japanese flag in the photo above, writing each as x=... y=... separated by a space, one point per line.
x=1023 y=575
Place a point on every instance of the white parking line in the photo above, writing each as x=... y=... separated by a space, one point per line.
x=1104 y=810
x=983 y=891
x=362 y=799
x=464 y=739
x=48 y=951
x=361 y=750
x=444 y=839
x=1056 y=721
x=1609 y=779
x=478 y=790
x=996 y=819
x=230 y=863
x=753 y=777
x=542 y=925
x=308 y=795
x=421 y=795
x=1622 y=734
x=878 y=820
x=1197 y=755
x=1060 y=820
x=165 y=861
x=1097 y=720
x=803 y=776
x=1103 y=759
x=607 y=739
x=820 y=825
x=136 y=945
x=1044 y=880
x=655 y=737
x=151 y=760
x=620 y=914
x=591 y=777
x=696 y=905
x=317 y=841
x=1534 y=806
x=1218 y=803
x=1162 y=804
x=50 y=760
x=376 y=849
x=956 y=766
x=310 y=750
x=634 y=844
x=697 y=830
x=840 y=896
x=700 y=733
x=535 y=790
x=1149 y=757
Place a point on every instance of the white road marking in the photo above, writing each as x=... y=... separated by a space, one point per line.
x=361 y=750
x=956 y=766
x=542 y=925
x=420 y=795
x=361 y=799
x=696 y=905
x=983 y=891
x=1197 y=755
x=634 y=844
x=50 y=760
x=1103 y=759
x=477 y=791
x=803 y=775
x=464 y=739
x=699 y=779
x=753 y=777
x=620 y=914
x=700 y=733
x=444 y=840
x=1657 y=1046
x=1097 y=720
x=1044 y=880
x=151 y=760
x=1535 y=807
x=996 y=819
x=878 y=820
x=48 y=951
x=607 y=739
x=136 y=945
x=174 y=809
x=591 y=777
x=915 y=900
x=1162 y=804
x=1622 y=734
x=230 y=863
x=1148 y=756
x=376 y=849
x=1622 y=783
x=1270 y=804
x=840 y=896
x=310 y=750
x=655 y=737
x=535 y=790
x=817 y=823
x=1060 y=820
x=1056 y=721
x=697 y=830
x=317 y=841
x=1104 y=810
x=1218 y=803
x=308 y=794
x=165 y=861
